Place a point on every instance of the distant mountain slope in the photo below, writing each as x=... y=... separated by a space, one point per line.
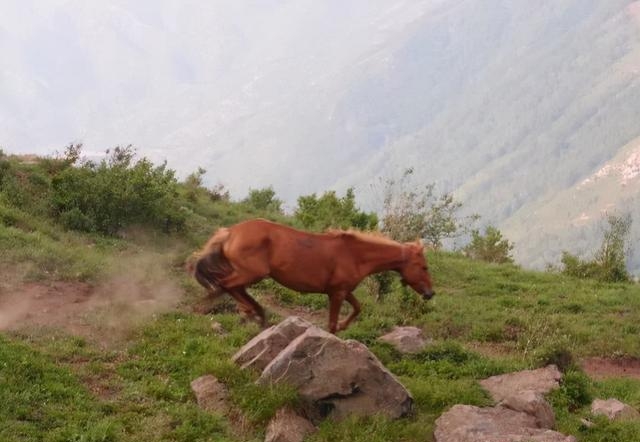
x=573 y=219
x=503 y=102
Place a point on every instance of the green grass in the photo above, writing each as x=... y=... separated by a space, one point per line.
x=486 y=319
x=65 y=388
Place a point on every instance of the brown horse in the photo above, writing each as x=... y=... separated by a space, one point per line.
x=333 y=263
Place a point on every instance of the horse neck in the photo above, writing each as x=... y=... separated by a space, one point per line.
x=378 y=257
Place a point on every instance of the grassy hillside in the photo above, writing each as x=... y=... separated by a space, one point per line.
x=129 y=380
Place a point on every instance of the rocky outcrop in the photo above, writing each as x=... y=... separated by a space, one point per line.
x=614 y=409
x=408 y=340
x=337 y=378
x=466 y=423
x=261 y=350
x=288 y=426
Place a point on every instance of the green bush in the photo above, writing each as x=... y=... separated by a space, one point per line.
x=330 y=211
x=410 y=214
x=490 y=247
x=609 y=262
x=115 y=193
x=264 y=200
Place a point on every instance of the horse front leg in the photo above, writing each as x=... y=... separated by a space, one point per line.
x=355 y=305
x=248 y=305
x=335 y=302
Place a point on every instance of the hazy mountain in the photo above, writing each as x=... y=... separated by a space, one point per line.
x=509 y=103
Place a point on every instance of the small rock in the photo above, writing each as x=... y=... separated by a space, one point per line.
x=586 y=423
x=542 y=381
x=288 y=426
x=258 y=352
x=466 y=423
x=211 y=394
x=217 y=328
x=534 y=404
x=405 y=339
x=614 y=409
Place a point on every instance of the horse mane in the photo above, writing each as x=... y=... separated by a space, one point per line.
x=374 y=236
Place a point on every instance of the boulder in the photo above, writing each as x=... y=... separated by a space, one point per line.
x=405 y=339
x=211 y=394
x=466 y=423
x=337 y=378
x=541 y=381
x=614 y=409
x=288 y=426
x=258 y=352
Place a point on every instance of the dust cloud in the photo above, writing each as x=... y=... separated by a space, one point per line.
x=135 y=288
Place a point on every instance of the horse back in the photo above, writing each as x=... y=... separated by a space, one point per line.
x=299 y=260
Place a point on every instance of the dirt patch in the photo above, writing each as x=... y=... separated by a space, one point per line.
x=602 y=368
x=103 y=313
x=55 y=304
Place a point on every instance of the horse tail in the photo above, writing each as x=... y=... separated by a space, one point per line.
x=210 y=265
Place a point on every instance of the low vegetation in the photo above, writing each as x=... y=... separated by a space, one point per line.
x=609 y=263
x=488 y=317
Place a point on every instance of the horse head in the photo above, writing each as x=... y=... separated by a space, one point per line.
x=415 y=272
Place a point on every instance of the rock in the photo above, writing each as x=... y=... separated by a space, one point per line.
x=534 y=404
x=541 y=381
x=211 y=394
x=614 y=409
x=288 y=426
x=466 y=423
x=337 y=378
x=217 y=328
x=586 y=423
x=405 y=339
x=258 y=352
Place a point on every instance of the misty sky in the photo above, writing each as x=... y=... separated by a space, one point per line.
x=235 y=87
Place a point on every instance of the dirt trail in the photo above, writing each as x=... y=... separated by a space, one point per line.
x=602 y=368
x=103 y=313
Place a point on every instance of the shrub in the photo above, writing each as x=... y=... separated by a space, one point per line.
x=264 y=200
x=330 y=211
x=490 y=247
x=609 y=262
x=576 y=387
x=115 y=193
x=410 y=214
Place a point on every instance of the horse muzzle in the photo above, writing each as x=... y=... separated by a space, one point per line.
x=428 y=294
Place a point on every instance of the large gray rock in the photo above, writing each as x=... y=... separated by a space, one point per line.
x=337 y=378
x=541 y=381
x=258 y=352
x=211 y=394
x=288 y=426
x=405 y=339
x=614 y=409
x=466 y=423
